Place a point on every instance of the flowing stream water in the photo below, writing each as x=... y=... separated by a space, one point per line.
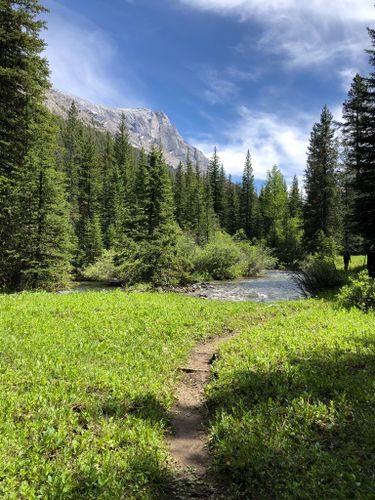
x=271 y=287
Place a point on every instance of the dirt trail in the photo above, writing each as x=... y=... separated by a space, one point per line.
x=188 y=440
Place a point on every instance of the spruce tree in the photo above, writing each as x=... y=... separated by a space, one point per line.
x=72 y=137
x=27 y=165
x=111 y=196
x=179 y=192
x=89 y=227
x=356 y=114
x=322 y=207
x=232 y=207
x=275 y=208
x=216 y=179
x=248 y=199
x=295 y=199
x=359 y=142
x=44 y=234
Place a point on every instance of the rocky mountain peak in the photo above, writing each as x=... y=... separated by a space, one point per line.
x=146 y=127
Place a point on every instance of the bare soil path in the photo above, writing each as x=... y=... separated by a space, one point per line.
x=187 y=441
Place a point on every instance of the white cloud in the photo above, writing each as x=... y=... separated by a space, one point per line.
x=82 y=59
x=305 y=33
x=347 y=75
x=270 y=139
x=352 y=10
x=217 y=88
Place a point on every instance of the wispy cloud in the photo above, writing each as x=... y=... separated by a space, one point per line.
x=216 y=87
x=82 y=58
x=305 y=33
x=271 y=139
x=357 y=10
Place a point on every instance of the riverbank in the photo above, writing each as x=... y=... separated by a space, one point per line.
x=271 y=286
x=88 y=381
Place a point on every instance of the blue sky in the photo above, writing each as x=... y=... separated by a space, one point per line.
x=238 y=74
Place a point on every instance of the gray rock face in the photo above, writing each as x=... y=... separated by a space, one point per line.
x=146 y=127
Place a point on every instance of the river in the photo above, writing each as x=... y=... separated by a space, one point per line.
x=272 y=286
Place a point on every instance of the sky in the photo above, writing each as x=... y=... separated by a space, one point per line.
x=235 y=74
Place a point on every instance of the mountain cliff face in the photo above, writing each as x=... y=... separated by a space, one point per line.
x=146 y=127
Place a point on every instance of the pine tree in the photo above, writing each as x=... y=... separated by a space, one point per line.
x=124 y=156
x=216 y=179
x=248 y=199
x=179 y=192
x=33 y=243
x=359 y=137
x=232 y=207
x=356 y=115
x=275 y=208
x=89 y=203
x=44 y=234
x=72 y=137
x=295 y=199
x=111 y=196
x=322 y=208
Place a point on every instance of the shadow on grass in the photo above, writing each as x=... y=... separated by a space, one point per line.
x=303 y=429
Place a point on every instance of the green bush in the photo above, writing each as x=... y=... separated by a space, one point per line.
x=219 y=259
x=360 y=293
x=254 y=259
x=103 y=269
x=318 y=274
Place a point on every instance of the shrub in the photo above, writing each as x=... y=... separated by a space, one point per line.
x=219 y=259
x=254 y=259
x=360 y=293
x=318 y=274
x=103 y=269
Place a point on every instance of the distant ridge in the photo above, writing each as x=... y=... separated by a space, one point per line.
x=146 y=127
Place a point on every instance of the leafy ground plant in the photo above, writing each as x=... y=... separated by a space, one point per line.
x=293 y=406
x=86 y=382
x=360 y=293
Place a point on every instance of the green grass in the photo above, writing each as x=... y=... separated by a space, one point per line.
x=357 y=263
x=293 y=406
x=86 y=381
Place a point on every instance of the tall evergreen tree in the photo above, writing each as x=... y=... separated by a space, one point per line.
x=322 y=208
x=295 y=199
x=216 y=179
x=89 y=227
x=26 y=164
x=248 y=199
x=232 y=207
x=360 y=118
x=72 y=137
x=111 y=196
x=356 y=114
x=179 y=192
x=274 y=207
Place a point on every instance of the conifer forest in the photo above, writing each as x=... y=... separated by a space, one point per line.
x=72 y=197
x=142 y=389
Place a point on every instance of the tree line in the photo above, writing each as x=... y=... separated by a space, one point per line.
x=71 y=196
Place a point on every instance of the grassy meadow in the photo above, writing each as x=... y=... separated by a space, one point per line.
x=87 y=380
x=293 y=404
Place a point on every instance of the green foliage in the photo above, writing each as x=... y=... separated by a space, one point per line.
x=219 y=258
x=255 y=259
x=318 y=274
x=34 y=232
x=292 y=406
x=322 y=208
x=86 y=382
x=360 y=293
x=103 y=269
